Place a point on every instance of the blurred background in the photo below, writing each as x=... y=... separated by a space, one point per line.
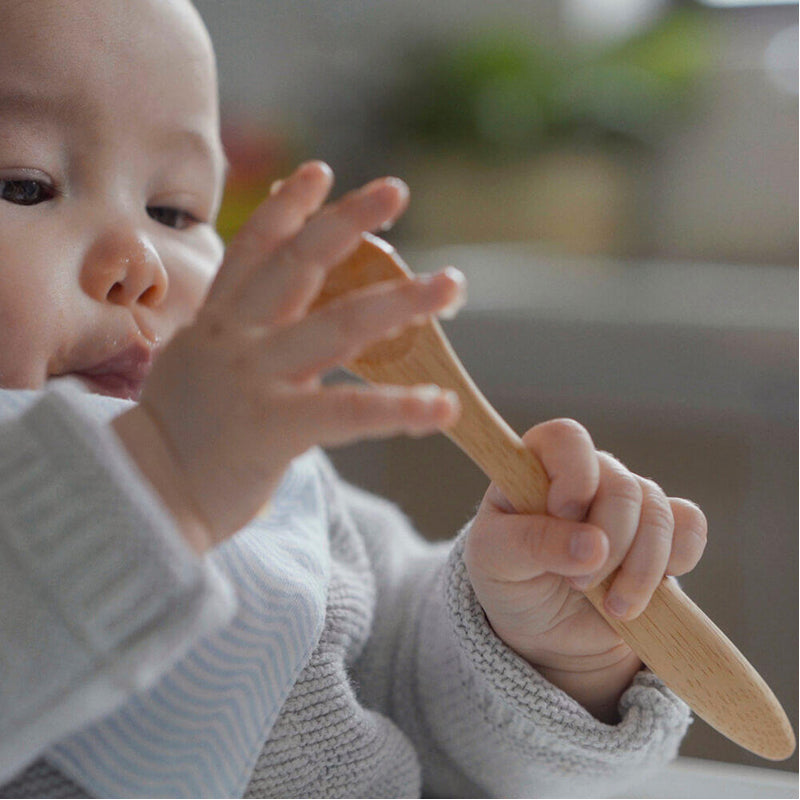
x=619 y=181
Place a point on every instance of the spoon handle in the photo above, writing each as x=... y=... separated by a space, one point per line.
x=673 y=637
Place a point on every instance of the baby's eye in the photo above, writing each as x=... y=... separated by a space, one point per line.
x=25 y=192
x=172 y=217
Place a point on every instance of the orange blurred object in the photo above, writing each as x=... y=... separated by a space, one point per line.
x=257 y=156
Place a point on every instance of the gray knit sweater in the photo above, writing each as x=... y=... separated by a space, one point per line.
x=406 y=689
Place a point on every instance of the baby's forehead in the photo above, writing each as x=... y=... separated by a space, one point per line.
x=66 y=52
x=63 y=41
x=138 y=71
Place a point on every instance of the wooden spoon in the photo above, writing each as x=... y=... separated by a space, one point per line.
x=673 y=637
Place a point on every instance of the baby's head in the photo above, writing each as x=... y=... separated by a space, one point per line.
x=111 y=173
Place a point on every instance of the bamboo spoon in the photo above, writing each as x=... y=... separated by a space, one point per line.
x=673 y=637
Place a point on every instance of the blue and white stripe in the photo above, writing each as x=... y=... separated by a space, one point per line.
x=199 y=731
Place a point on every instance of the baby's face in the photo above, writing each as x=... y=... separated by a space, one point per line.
x=111 y=172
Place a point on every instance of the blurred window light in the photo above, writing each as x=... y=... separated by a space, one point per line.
x=608 y=20
x=780 y=60
x=743 y=3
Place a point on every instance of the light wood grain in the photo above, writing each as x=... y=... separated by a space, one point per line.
x=673 y=637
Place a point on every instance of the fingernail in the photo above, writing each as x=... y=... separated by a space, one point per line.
x=401 y=186
x=429 y=394
x=453 y=307
x=276 y=186
x=433 y=395
x=616 y=606
x=459 y=301
x=452 y=398
x=581 y=545
x=318 y=165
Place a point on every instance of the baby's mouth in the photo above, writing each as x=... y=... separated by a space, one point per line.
x=122 y=375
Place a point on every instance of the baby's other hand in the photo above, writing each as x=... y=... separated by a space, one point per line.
x=237 y=395
x=525 y=569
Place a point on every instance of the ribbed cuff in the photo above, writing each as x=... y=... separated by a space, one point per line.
x=653 y=719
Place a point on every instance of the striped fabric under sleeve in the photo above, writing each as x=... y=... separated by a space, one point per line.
x=99 y=595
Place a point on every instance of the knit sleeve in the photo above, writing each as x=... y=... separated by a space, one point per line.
x=482 y=720
x=514 y=733
x=99 y=594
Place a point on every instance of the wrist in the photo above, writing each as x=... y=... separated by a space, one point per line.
x=596 y=682
x=141 y=437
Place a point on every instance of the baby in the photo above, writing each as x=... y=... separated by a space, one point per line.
x=161 y=637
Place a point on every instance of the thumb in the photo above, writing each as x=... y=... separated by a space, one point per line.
x=519 y=547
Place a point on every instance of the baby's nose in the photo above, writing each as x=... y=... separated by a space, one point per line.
x=124 y=268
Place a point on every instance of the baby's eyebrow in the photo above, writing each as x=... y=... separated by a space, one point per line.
x=67 y=108
x=38 y=104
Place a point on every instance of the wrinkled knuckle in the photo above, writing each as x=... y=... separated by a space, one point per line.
x=690 y=520
x=698 y=536
x=652 y=488
x=699 y=524
x=624 y=488
x=658 y=516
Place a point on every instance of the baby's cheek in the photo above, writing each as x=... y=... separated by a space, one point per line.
x=188 y=287
x=206 y=266
x=25 y=352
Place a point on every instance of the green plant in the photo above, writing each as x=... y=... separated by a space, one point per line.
x=499 y=93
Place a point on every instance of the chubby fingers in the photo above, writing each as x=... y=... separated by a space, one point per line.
x=277 y=264
x=342 y=414
x=638 y=518
x=525 y=546
x=282 y=292
x=690 y=537
x=650 y=535
x=515 y=548
x=568 y=455
x=602 y=519
x=338 y=332
x=278 y=218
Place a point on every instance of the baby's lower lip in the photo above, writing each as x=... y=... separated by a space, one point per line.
x=113 y=385
x=120 y=375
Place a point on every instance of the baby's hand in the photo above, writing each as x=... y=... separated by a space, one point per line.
x=601 y=518
x=238 y=394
